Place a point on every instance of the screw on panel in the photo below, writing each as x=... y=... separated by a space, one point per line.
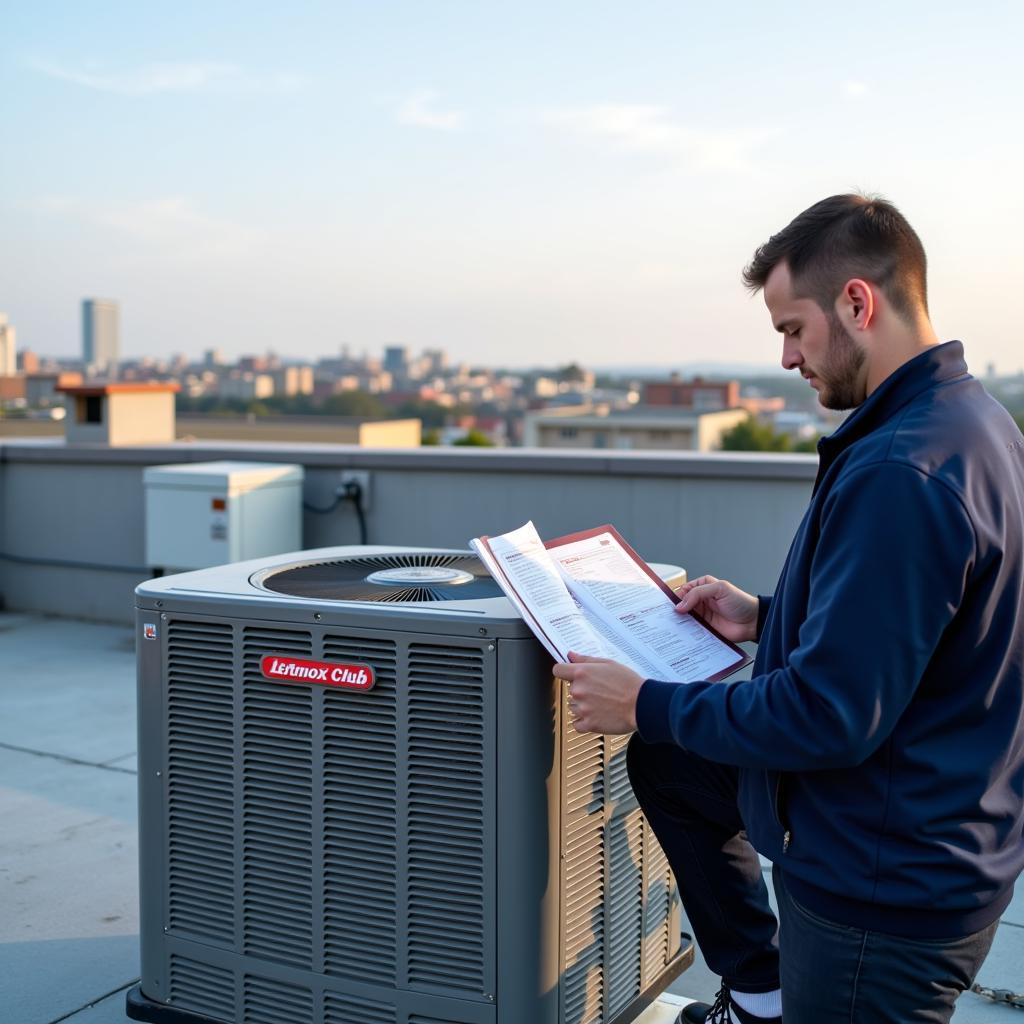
x=482 y=631
x=487 y=995
x=159 y=604
x=164 y=617
x=490 y=647
x=317 y=616
x=158 y=774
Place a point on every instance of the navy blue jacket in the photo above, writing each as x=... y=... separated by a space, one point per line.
x=880 y=739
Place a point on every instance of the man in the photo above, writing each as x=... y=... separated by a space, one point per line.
x=876 y=755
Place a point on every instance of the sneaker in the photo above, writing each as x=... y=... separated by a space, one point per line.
x=722 y=1011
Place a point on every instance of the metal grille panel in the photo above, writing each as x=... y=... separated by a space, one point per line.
x=659 y=945
x=200 y=780
x=269 y=1001
x=361 y=817
x=625 y=909
x=583 y=873
x=446 y=818
x=202 y=988
x=277 y=795
x=346 y=1010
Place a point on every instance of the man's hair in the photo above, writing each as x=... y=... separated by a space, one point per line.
x=843 y=237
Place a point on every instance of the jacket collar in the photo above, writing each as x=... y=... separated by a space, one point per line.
x=933 y=366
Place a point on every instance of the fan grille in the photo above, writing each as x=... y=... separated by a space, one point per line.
x=361 y=578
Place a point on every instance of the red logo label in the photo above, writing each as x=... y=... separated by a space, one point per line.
x=326 y=673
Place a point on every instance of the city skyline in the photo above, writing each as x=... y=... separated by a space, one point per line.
x=571 y=184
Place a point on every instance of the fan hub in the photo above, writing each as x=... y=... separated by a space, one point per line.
x=418 y=575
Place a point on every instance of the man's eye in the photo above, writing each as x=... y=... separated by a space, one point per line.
x=794 y=332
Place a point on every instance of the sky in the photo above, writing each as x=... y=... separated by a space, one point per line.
x=518 y=183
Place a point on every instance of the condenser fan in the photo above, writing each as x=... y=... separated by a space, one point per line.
x=399 y=577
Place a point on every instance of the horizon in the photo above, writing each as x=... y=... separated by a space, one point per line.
x=554 y=184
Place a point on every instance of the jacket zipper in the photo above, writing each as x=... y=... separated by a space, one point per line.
x=787 y=833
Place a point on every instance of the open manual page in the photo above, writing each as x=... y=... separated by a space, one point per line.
x=591 y=593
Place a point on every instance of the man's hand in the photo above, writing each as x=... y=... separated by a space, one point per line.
x=724 y=607
x=602 y=693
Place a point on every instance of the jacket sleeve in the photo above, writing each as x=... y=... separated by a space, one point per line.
x=763 y=604
x=892 y=556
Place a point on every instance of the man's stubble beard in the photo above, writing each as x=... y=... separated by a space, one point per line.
x=840 y=372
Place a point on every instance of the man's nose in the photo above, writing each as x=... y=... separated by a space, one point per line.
x=791 y=355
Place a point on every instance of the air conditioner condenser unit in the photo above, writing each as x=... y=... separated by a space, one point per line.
x=362 y=801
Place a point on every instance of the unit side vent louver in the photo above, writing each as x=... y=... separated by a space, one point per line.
x=603 y=865
x=268 y=1001
x=200 y=783
x=277 y=798
x=202 y=988
x=625 y=910
x=658 y=945
x=346 y=1010
x=583 y=875
x=389 y=578
x=447 y=900
x=361 y=818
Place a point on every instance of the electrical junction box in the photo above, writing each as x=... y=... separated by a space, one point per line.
x=201 y=514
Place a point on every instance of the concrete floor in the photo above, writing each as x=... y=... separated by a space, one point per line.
x=68 y=874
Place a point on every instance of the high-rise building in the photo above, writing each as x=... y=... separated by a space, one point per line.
x=8 y=360
x=101 y=334
x=396 y=361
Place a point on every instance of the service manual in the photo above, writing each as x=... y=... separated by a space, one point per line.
x=591 y=593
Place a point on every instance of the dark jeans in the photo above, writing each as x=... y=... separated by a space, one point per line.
x=829 y=972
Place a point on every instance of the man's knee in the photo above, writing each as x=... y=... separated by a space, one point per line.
x=638 y=762
x=660 y=771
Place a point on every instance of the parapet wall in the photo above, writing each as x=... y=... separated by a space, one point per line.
x=72 y=518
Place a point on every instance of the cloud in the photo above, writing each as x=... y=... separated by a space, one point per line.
x=854 y=90
x=181 y=77
x=173 y=225
x=652 y=129
x=418 y=110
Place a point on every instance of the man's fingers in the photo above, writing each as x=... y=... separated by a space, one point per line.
x=574 y=657
x=701 y=592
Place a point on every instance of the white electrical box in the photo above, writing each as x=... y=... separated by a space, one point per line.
x=201 y=514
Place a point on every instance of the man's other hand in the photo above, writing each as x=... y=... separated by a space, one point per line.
x=723 y=606
x=602 y=694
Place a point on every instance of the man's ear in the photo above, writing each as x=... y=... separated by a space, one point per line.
x=856 y=304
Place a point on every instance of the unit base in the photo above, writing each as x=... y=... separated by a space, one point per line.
x=139 y=1007
x=683 y=960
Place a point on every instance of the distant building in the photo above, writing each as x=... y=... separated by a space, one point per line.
x=246 y=386
x=41 y=388
x=293 y=380
x=101 y=335
x=435 y=360
x=649 y=428
x=28 y=362
x=396 y=361
x=119 y=413
x=8 y=358
x=699 y=394
x=12 y=388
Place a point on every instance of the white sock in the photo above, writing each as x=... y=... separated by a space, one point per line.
x=760 y=1004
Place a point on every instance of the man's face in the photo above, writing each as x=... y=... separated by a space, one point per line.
x=817 y=344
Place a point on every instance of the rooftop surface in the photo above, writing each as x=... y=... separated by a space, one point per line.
x=69 y=926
